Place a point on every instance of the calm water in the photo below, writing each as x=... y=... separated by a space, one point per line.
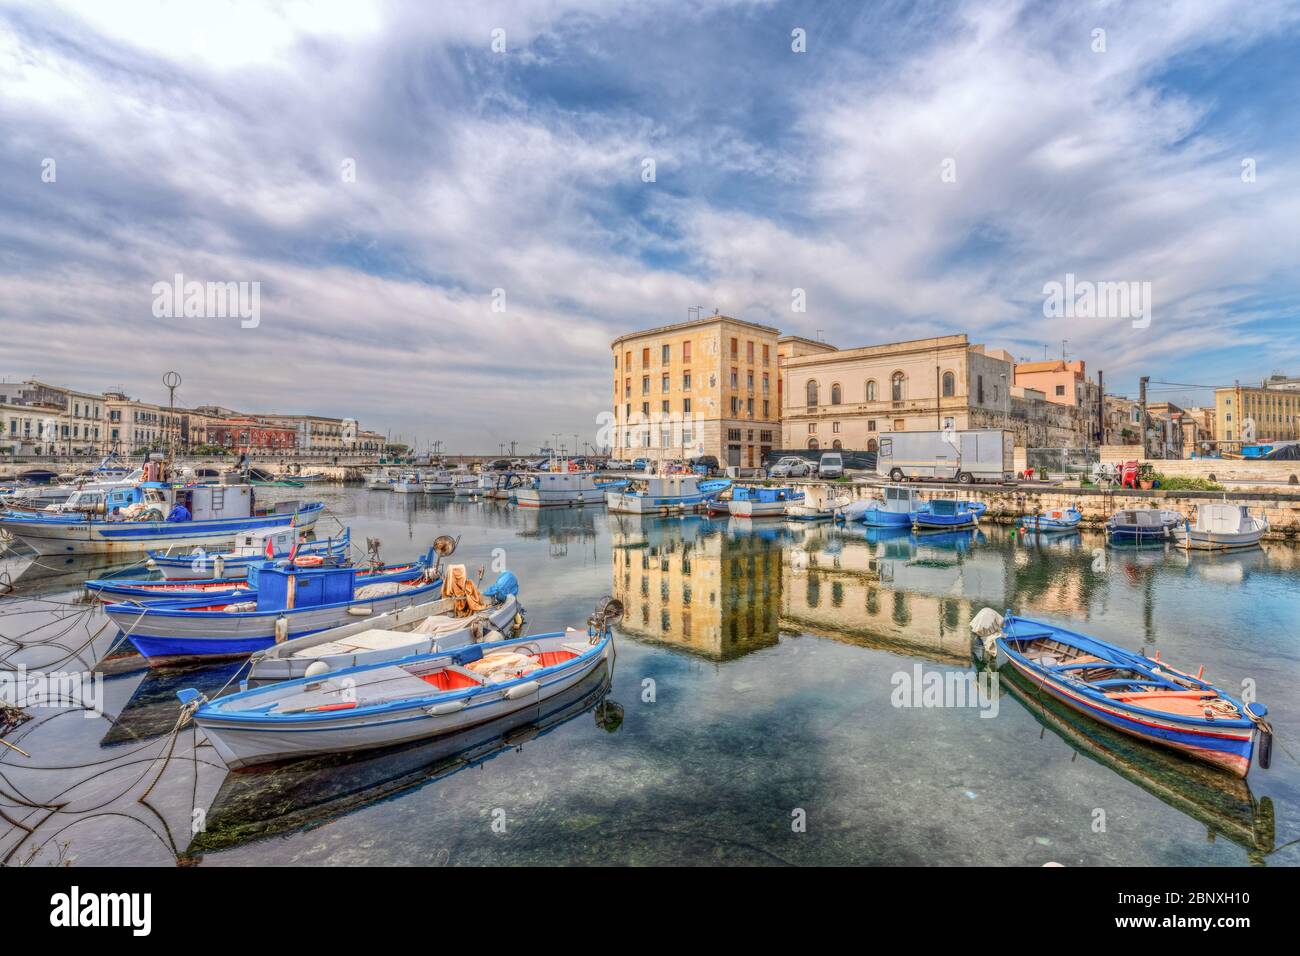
x=751 y=693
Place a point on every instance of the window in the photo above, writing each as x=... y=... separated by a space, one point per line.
x=735 y=348
x=627 y=388
x=766 y=383
x=836 y=444
x=765 y=436
x=896 y=386
x=812 y=428
x=735 y=378
x=686 y=381
x=645 y=384
x=812 y=393
x=1060 y=390
x=766 y=355
x=835 y=394
x=733 y=434
x=645 y=357
x=686 y=405
x=765 y=409
x=871 y=424
x=812 y=442
x=664 y=383
x=949 y=385
x=979 y=382
x=749 y=381
x=667 y=354
x=645 y=409
x=835 y=426
x=749 y=407
x=686 y=351
x=664 y=406
x=749 y=351
x=735 y=405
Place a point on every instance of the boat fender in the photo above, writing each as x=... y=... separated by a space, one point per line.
x=361 y=611
x=447 y=707
x=316 y=669
x=219 y=566
x=281 y=629
x=526 y=689
x=1265 y=749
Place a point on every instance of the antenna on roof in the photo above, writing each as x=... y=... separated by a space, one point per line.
x=693 y=312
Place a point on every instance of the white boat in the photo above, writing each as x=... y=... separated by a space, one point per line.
x=1222 y=527
x=413 y=698
x=381 y=480
x=749 y=502
x=819 y=501
x=50 y=497
x=662 y=494
x=549 y=489
x=408 y=483
x=251 y=547
x=419 y=629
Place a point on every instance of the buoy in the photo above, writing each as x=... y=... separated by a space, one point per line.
x=317 y=669
x=281 y=629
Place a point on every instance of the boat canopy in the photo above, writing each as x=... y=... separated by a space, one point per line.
x=1224 y=518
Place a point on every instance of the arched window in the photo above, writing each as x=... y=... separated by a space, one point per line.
x=812 y=393
x=871 y=445
x=949 y=384
x=836 y=444
x=835 y=394
x=896 y=386
x=871 y=389
x=812 y=443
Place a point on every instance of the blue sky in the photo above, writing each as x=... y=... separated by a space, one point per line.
x=208 y=139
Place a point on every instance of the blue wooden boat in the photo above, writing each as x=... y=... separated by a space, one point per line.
x=287 y=603
x=945 y=514
x=1142 y=524
x=1049 y=521
x=1137 y=695
x=250 y=548
x=896 y=509
x=757 y=502
x=231 y=589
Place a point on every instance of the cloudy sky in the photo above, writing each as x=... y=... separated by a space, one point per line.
x=920 y=169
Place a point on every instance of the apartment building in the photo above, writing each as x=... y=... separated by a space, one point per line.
x=1246 y=415
x=707 y=386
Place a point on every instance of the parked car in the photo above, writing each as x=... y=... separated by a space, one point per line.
x=641 y=464
x=831 y=465
x=499 y=464
x=704 y=464
x=792 y=466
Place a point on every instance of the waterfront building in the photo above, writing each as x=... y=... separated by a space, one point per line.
x=1247 y=415
x=316 y=435
x=702 y=387
x=251 y=436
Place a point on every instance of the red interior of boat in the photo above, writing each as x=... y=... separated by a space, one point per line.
x=449 y=680
x=551 y=658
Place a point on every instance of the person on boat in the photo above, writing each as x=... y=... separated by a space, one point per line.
x=466 y=597
x=179 y=513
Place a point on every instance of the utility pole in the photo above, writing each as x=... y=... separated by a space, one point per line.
x=1101 y=408
x=1142 y=400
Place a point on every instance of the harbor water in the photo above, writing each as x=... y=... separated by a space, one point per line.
x=783 y=693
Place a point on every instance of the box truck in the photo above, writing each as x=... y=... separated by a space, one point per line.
x=949 y=455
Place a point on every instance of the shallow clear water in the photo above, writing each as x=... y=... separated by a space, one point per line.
x=750 y=718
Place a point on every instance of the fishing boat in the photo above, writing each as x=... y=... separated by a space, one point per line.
x=287 y=603
x=1142 y=524
x=1138 y=695
x=134 y=519
x=49 y=497
x=662 y=494
x=819 y=501
x=1058 y=519
x=381 y=480
x=121 y=588
x=895 y=509
x=1222 y=527
x=393 y=702
x=753 y=502
x=549 y=489
x=251 y=547
x=945 y=514
x=408 y=483
x=419 y=629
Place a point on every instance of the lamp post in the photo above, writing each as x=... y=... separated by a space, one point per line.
x=172 y=381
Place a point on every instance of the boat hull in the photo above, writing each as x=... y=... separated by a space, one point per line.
x=878 y=518
x=170 y=637
x=113 y=537
x=1212 y=541
x=245 y=744
x=756 y=509
x=568 y=498
x=620 y=503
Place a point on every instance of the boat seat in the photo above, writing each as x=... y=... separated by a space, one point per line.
x=374 y=639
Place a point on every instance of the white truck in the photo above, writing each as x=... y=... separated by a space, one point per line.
x=949 y=455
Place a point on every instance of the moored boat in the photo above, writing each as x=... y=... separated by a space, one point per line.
x=749 y=501
x=549 y=489
x=896 y=508
x=1142 y=524
x=251 y=547
x=1058 y=519
x=662 y=494
x=818 y=501
x=1138 y=695
x=418 y=629
x=287 y=603
x=136 y=519
x=393 y=702
x=945 y=514
x=1222 y=527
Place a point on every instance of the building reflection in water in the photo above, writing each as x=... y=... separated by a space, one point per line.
x=691 y=583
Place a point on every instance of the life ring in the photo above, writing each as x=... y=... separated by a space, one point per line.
x=308 y=561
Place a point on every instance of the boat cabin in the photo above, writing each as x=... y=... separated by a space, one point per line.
x=1224 y=518
x=280 y=588
x=900 y=500
x=204 y=502
x=252 y=543
x=945 y=507
x=766 y=495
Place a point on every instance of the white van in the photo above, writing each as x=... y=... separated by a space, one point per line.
x=831 y=465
